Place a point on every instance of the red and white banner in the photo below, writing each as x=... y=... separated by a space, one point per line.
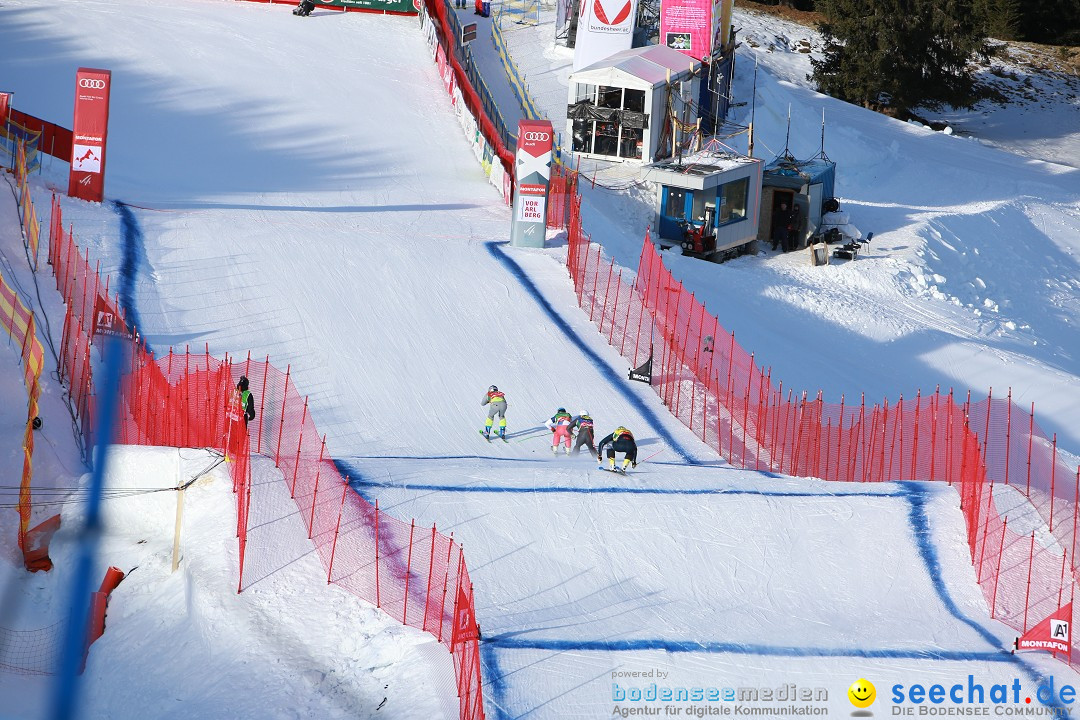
x=5 y=105
x=89 y=130
x=605 y=27
x=1053 y=634
x=464 y=619
x=106 y=322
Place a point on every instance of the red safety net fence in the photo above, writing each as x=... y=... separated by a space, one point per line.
x=1020 y=501
x=415 y=574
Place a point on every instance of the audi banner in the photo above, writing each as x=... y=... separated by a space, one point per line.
x=86 y=180
x=605 y=27
x=532 y=168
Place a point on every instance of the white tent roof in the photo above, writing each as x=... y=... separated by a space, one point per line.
x=642 y=68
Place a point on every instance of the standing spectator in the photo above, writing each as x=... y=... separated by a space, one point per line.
x=496 y=402
x=247 y=400
x=560 y=425
x=584 y=425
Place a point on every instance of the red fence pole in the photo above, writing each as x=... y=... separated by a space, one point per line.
x=1053 y=478
x=337 y=529
x=318 y=471
x=262 y=406
x=997 y=572
x=1008 y=434
x=299 y=444
x=408 y=573
x=1027 y=593
x=378 y=601
x=281 y=427
x=1031 y=433
x=430 y=572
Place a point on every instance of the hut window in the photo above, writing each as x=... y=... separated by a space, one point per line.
x=634 y=100
x=583 y=130
x=630 y=144
x=733 y=201
x=610 y=97
x=585 y=92
x=676 y=203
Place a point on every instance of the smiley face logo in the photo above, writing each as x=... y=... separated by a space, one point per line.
x=862 y=693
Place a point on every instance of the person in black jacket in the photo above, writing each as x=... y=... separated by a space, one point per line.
x=304 y=8
x=620 y=441
x=247 y=400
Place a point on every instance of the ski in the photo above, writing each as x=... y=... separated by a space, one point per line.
x=485 y=436
x=489 y=437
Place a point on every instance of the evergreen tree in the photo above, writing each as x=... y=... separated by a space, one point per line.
x=896 y=55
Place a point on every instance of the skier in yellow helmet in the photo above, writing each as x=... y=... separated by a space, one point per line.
x=622 y=440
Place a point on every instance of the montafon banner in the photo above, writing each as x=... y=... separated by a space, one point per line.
x=88 y=134
x=411 y=7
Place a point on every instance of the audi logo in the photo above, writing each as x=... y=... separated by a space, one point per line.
x=540 y=136
x=91 y=84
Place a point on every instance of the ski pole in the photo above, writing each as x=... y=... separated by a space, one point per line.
x=652 y=456
x=529 y=437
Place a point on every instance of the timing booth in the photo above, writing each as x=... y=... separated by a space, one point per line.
x=619 y=107
x=708 y=203
x=806 y=183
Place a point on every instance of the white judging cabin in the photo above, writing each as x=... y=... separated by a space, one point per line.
x=625 y=106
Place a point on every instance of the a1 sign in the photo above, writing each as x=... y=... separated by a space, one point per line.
x=468 y=33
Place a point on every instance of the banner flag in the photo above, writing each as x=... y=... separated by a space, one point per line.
x=1053 y=633
x=86 y=179
x=464 y=620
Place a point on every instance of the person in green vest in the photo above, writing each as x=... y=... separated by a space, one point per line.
x=247 y=400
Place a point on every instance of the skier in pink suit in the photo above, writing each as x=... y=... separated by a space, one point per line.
x=561 y=424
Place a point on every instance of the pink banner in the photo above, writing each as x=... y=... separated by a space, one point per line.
x=686 y=26
x=87 y=178
x=5 y=103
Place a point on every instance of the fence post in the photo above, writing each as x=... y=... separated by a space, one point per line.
x=1031 y=433
x=299 y=445
x=281 y=427
x=430 y=572
x=915 y=438
x=1053 y=478
x=986 y=437
x=1076 y=507
x=408 y=574
x=1008 y=435
x=378 y=601
x=337 y=529
x=1027 y=593
x=315 y=495
x=262 y=405
x=997 y=572
x=986 y=523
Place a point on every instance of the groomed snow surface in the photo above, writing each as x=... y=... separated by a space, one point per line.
x=301 y=189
